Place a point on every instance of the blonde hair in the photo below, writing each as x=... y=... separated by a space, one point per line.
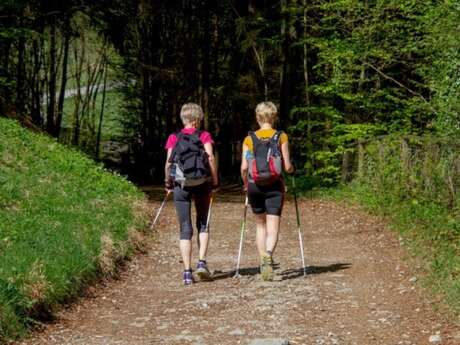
x=266 y=112
x=191 y=112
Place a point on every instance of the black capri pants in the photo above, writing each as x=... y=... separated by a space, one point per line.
x=267 y=199
x=183 y=200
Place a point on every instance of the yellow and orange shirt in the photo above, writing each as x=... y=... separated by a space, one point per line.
x=263 y=134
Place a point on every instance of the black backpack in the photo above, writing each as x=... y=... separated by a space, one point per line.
x=190 y=162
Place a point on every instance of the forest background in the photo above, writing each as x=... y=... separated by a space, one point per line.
x=110 y=76
x=368 y=91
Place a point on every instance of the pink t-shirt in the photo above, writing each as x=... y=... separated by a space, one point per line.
x=205 y=138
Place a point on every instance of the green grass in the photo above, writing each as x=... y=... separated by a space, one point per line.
x=429 y=230
x=64 y=221
x=420 y=207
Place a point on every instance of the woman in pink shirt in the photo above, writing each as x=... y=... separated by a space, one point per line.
x=191 y=150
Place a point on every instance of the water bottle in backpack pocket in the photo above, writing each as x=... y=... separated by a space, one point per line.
x=190 y=162
x=265 y=165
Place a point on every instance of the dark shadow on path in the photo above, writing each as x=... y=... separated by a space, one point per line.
x=285 y=275
x=299 y=272
x=248 y=271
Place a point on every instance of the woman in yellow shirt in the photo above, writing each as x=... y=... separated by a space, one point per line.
x=265 y=155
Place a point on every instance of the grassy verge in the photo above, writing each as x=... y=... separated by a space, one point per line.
x=64 y=221
x=420 y=200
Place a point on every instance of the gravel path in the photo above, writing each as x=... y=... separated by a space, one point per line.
x=359 y=289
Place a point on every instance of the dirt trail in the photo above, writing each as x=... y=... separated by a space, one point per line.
x=359 y=289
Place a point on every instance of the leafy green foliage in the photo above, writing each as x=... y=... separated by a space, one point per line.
x=58 y=211
x=443 y=77
x=339 y=70
x=416 y=187
x=375 y=68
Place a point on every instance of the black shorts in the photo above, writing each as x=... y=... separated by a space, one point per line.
x=267 y=199
x=183 y=199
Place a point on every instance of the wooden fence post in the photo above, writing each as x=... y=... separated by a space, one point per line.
x=381 y=154
x=360 y=159
x=405 y=163
x=346 y=166
x=405 y=156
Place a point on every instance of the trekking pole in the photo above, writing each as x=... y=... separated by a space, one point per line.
x=159 y=210
x=209 y=213
x=243 y=226
x=298 y=226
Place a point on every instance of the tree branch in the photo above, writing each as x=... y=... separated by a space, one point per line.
x=386 y=76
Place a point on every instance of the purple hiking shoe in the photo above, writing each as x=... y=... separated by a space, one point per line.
x=187 y=277
x=202 y=271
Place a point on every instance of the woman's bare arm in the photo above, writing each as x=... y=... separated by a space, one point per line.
x=288 y=166
x=168 y=181
x=244 y=166
x=212 y=163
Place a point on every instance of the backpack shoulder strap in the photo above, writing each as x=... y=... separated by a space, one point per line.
x=255 y=139
x=174 y=150
x=196 y=138
x=197 y=134
x=277 y=136
x=275 y=141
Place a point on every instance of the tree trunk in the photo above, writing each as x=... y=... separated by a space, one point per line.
x=206 y=65
x=79 y=54
x=101 y=117
x=51 y=118
x=20 y=79
x=307 y=84
x=284 y=80
x=305 y=59
x=65 y=60
x=36 y=85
